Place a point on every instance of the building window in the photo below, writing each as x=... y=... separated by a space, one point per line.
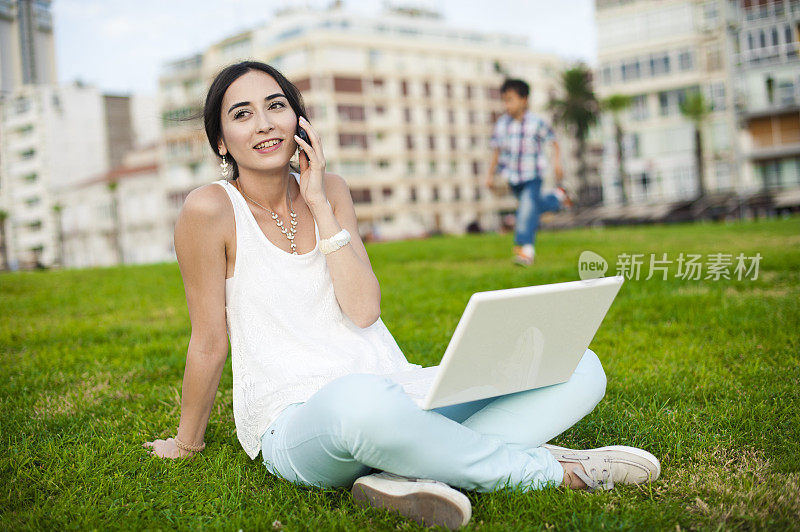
x=383 y=164
x=349 y=140
x=379 y=109
x=409 y=142
x=28 y=154
x=426 y=87
x=453 y=144
x=407 y=115
x=456 y=193
x=429 y=115
x=404 y=87
x=303 y=85
x=435 y=193
x=386 y=192
x=412 y=194
x=21 y=105
x=31 y=178
x=350 y=113
x=476 y=167
x=410 y=168
x=469 y=91
x=341 y=84
x=631 y=70
x=607 y=79
x=659 y=64
x=685 y=60
x=639 y=108
x=432 y=167
x=448 y=90
x=716 y=96
x=361 y=195
x=670 y=101
x=451 y=116
x=431 y=142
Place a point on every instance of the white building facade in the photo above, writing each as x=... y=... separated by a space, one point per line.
x=766 y=44
x=27 y=54
x=118 y=217
x=658 y=53
x=403 y=102
x=50 y=139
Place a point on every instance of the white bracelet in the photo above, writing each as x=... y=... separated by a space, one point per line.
x=337 y=241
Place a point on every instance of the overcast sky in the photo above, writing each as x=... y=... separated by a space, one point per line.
x=119 y=45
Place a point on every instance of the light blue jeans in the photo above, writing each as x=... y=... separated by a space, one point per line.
x=360 y=422
x=532 y=203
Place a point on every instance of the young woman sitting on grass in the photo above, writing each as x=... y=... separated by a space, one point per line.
x=273 y=258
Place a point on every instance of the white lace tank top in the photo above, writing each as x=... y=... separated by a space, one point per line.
x=288 y=334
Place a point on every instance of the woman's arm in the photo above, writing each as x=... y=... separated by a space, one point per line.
x=328 y=197
x=356 y=287
x=200 y=248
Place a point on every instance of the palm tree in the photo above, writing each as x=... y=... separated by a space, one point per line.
x=117 y=237
x=3 y=245
x=578 y=111
x=57 y=210
x=696 y=109
x=615 y=104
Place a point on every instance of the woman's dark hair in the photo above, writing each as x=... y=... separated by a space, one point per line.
x=213 y=106
x=516 y=85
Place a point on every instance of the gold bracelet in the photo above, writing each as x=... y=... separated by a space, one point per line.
x=185 y=447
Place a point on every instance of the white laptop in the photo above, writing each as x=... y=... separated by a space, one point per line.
x=513 y=340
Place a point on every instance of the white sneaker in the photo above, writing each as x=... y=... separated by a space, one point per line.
x=606 y=466
x=429 y=502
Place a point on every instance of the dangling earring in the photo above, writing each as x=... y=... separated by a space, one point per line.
x=224 y=167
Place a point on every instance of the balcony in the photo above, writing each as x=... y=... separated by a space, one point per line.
x=769 y=55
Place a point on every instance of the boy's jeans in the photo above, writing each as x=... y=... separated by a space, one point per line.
x=531 y=205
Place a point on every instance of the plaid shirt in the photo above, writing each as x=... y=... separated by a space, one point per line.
x=521 y=145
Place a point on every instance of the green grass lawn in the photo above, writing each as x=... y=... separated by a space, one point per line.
x=702 y=373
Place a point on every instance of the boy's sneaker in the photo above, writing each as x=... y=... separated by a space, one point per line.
x=522 y=258
x=563 y=197
x=429 y=502
x=606 y=466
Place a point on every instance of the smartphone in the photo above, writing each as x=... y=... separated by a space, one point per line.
x=302 y=133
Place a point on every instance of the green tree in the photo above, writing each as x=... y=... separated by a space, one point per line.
x=696 y=109
x=577 y=109
x=616 y=104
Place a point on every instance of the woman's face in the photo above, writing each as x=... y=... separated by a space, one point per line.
x=258 y=124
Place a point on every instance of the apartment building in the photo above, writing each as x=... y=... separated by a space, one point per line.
x=52 y=138
x=766 y=60
x=658 y=53
x=117 y=217
x=27 y=54
x=404 y=104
